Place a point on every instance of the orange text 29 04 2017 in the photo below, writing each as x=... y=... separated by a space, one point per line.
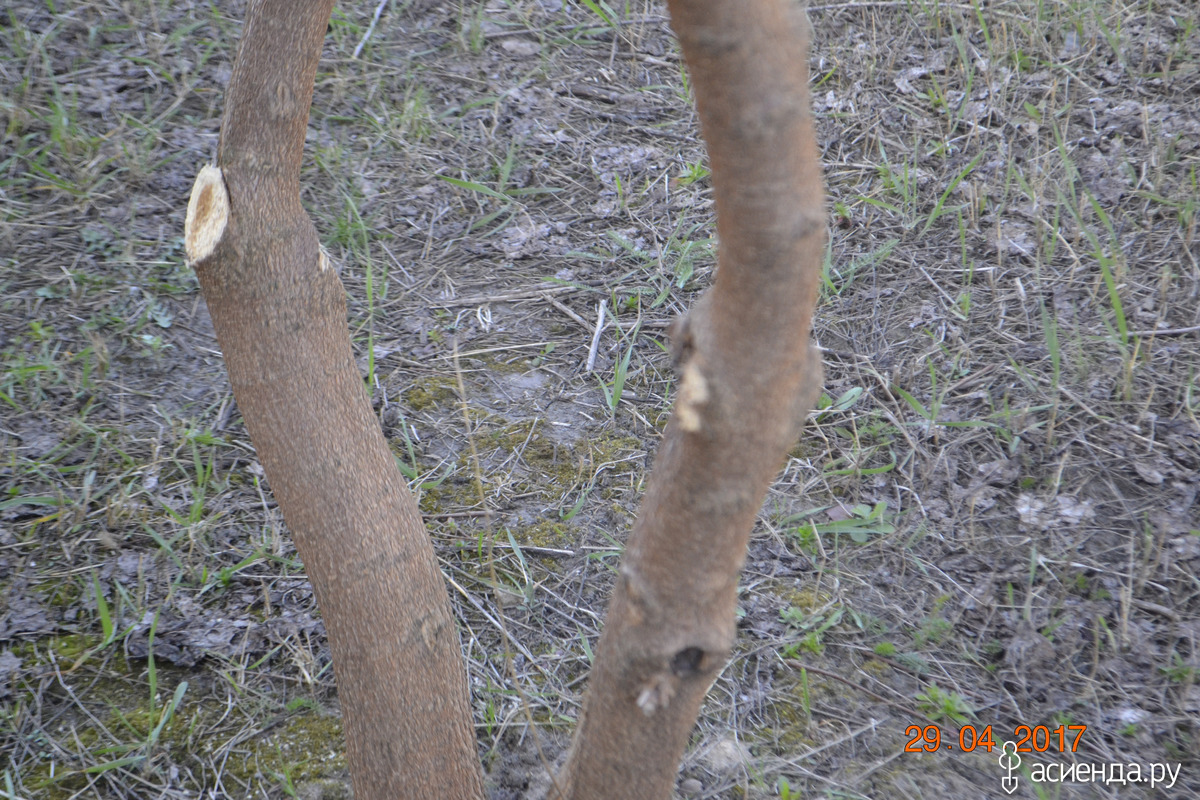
x=1024 y=739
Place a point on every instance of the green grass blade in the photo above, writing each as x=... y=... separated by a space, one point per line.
x=106 y=623
x=963 y=173
x=475 y=187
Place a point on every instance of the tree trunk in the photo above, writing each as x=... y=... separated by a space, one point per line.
x=748 y=378
x=280 y=315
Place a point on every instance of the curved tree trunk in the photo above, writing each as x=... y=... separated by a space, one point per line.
x=748 y=377
x=280 y=315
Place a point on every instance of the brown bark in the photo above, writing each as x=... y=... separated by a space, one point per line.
x=280 y=315
x=748 y=377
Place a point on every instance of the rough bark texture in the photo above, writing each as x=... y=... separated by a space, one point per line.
x=748 y=377
x=280 y=315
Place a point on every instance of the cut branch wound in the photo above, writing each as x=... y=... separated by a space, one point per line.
x=207 y=214
x=693 y=393
x=693 y=386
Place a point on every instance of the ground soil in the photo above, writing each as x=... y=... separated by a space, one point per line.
x=990 y=522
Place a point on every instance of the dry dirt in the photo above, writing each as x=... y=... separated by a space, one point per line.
x=991 y=521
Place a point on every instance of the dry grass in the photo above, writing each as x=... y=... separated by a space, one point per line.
x=992 y=519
